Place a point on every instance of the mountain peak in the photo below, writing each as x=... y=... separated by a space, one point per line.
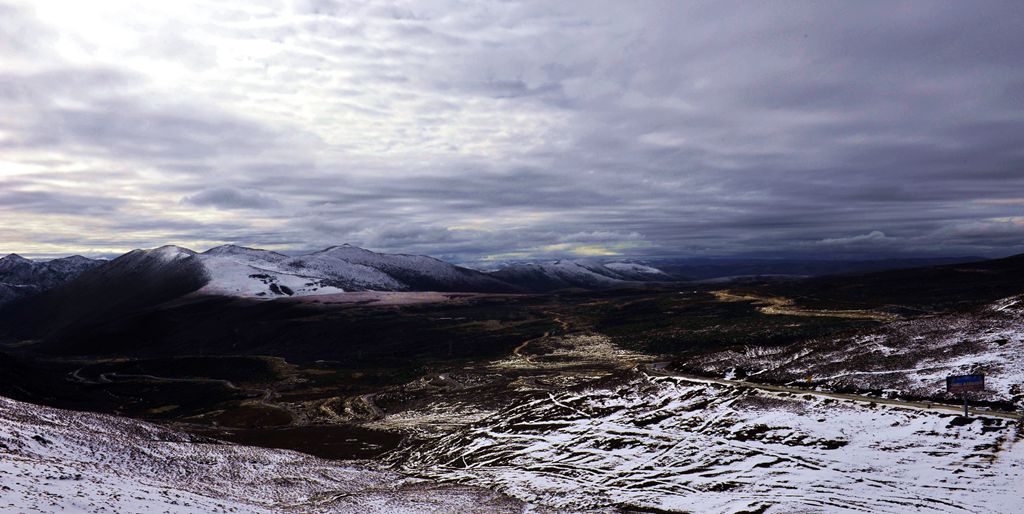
x=244 y=251
x=229 y=248
x=72 y=258
x=13 y=257
x=232 y=248
x=170 y=252
x=346 y=247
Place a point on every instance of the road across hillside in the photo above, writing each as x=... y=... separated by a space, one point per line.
x=658 y=369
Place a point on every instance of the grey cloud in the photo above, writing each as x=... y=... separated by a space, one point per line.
x=22 y=32
x=866 y=128
x=97 y=111
x=231 y=198
x=58 y=202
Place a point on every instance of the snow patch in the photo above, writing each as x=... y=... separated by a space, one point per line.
x=672 y=444
x=53 y=460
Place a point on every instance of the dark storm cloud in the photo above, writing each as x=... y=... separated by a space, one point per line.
x=511 y=129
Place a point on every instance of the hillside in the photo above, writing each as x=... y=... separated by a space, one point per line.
x=665 y=444
x=904 y=358
x=110 y=292
x=21 y=277
x=704 y=268
x=913 y=290
x=135 y=280
x=55 y=460
x=564 y=274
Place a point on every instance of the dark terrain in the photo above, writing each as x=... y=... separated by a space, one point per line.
x=312 y=375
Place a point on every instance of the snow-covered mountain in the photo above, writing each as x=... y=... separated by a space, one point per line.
x=416 y=272
x=21 y=277
x=637 y=271
x=163 y=273
x=53 y=460
x=238 y=271
x=143 y=279
x=564 y=274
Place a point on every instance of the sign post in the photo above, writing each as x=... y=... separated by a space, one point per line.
x=963 y=384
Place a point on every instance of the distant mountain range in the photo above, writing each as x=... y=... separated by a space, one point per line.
x=232 y=270
x=588 y=275
x=20 y=277
x=248 y=272
x=237 y=271
x=705 y=268
x=45 y=295
x=97 y=292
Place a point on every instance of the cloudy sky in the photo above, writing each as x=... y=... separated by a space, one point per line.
x=482 y=132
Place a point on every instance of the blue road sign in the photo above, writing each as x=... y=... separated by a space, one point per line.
x=964 y=383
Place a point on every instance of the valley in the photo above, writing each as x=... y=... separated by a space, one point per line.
x=656 y=396
x=511 y=257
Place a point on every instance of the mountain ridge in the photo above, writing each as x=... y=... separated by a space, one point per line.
x=145 y=278
x=21 y=277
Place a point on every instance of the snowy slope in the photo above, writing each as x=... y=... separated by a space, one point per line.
x=636 y=271
x=665 y=443
x=911 y=357
x=563 y=274
x=248 y=272
x=234 y=270
x=53 y=460
x=416 y=272
x=254 y=254
x=238 y=271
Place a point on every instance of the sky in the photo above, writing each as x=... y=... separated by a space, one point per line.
x=484 y=132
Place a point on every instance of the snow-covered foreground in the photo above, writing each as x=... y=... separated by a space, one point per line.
x=911 y=357
x=53 y=460
x=666 y=443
